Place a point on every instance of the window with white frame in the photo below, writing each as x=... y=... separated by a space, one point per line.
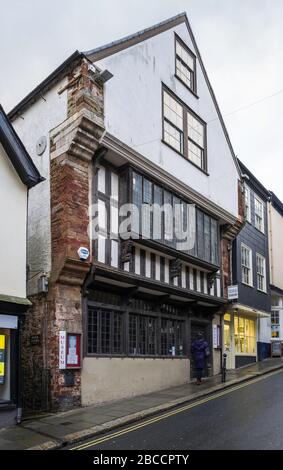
x=196 y=141
x=247 y=193
x=185 y=65
x=261 y=273
x=246 y=263
x=259 y=214
x=275 y=324
x=173 y=122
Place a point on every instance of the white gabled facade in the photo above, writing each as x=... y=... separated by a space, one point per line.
x=133 y=114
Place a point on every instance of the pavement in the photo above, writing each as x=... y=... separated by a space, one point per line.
x=53 y=431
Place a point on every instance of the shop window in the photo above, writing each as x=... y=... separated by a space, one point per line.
x=245 y=335
x=5 y=389
x=104 y=332
x=275 y=324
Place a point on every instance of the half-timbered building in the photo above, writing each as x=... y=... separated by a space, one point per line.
x=134 y=123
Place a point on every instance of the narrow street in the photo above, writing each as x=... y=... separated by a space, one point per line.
x=249 y=416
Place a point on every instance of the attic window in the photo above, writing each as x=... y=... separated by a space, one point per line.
x=185 y=64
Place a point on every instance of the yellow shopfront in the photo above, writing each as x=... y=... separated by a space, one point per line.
x=239 y=338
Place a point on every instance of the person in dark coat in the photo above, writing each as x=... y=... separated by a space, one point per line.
x=200 y=352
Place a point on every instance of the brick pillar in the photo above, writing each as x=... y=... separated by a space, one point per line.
x=73 y=144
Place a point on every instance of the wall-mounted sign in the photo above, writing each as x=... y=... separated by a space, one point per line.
x=73 y=350
x=62 y=349
x=35 y=340
x=83 y=253
x=233 y=292
x=69 y=350
x=2 y=358
x=216 y=336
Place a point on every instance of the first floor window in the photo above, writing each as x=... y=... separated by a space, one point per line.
x=275 y=324
x=246 y=262
x=260 y=273
x=245 y=335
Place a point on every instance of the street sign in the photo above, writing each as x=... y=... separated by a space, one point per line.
x=233 y=292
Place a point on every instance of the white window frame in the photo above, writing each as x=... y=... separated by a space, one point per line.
x=260 y=274
x=273 y=324
x=248 y=267
x=256 y=198
x=247 y=194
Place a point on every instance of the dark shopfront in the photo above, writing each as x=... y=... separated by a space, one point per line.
x=10 y=380
x=138 y=326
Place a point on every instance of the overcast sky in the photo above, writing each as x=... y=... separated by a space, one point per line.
x=241 y=42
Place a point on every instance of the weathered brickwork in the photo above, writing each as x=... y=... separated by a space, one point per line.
x=72 y=146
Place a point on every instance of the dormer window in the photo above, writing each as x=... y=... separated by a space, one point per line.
x=185 y=65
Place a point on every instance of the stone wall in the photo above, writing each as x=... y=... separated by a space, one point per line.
x=72 y=146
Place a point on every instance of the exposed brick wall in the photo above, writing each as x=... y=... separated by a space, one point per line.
x=225 y=265
x=72 y=146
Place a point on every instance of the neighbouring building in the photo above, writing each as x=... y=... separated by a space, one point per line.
x=17 y=175
x=272 y=328
x=244 y=342
x=135 y=121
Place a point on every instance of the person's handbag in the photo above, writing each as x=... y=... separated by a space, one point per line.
x=206 y=351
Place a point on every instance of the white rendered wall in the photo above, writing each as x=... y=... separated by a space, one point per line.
x=13 y=214
x=275 y=225
x=133 y=114
x=35 y=122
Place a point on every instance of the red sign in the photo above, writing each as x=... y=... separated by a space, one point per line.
x=73 y=352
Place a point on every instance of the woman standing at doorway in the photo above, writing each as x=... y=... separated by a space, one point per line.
x=200 y=352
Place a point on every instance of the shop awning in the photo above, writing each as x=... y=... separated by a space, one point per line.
x=250 y=311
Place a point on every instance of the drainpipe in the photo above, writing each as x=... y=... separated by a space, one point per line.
x=19 y=375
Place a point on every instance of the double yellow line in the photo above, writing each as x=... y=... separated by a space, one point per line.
x=102 y=439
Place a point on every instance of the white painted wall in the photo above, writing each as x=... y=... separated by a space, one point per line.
x=133 y=113
x=275 y=225
x=37 y=121
x=13 y=213
x=107 y=379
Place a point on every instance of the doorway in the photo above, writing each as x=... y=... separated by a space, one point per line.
x=228 y=342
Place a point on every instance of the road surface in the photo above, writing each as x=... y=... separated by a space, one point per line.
x=249 y=416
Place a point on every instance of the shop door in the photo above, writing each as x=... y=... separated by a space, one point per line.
x=228 y=345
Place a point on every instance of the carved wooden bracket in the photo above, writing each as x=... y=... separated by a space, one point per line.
x=127 y=251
